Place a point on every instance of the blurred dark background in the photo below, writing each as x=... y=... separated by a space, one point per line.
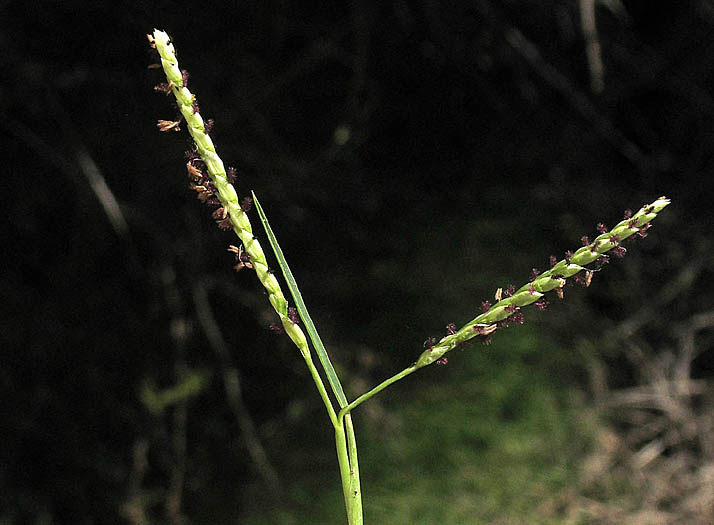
x=412 y=157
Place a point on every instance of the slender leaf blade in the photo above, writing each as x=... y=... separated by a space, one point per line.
x=302 y=309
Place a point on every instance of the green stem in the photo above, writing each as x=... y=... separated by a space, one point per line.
x=376 y=390
x=355 y=489
x=345 y=475
x=347 y=450
x=320 y=387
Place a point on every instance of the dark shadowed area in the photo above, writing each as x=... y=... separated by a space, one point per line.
x=412 y=157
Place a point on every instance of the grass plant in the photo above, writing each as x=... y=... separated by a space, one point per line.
x=213 y=184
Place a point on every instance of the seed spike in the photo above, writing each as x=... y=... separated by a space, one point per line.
x=216 y=189
x=507 y=309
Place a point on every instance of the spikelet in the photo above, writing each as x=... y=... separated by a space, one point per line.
x=508 y=309
x=232 y=211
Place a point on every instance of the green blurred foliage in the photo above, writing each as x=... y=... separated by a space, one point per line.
x=491 y=437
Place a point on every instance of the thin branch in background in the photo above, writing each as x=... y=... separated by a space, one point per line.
x=359 y=105
x=617 y=9
x=577 y=100
x=179 y=334
x=83 y=163
x=592 y=45
x=174 y=495
x=675 y=288
x=697 y=323
x=89 y=167
x=134 y=508
x=316 y=55
x=705 y=10
x=351 y=132
x=232 y=385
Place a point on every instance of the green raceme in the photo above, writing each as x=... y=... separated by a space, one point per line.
x=224 y=190
x=553 y=279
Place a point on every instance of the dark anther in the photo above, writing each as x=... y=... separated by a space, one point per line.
x=293 y=315
x=163 y=88
x=619 y=251
x=429 y=343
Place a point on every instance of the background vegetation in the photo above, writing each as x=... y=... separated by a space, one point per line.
x=412 y=157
